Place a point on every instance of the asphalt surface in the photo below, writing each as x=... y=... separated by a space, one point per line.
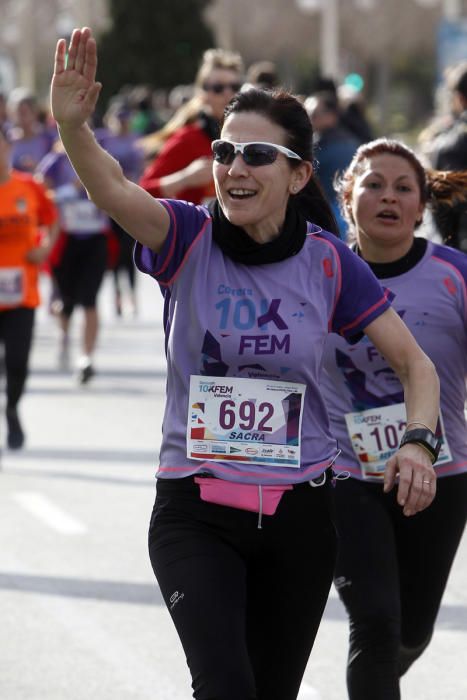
x=81 y=615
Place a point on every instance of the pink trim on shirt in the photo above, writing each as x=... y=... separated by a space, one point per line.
x=458 y=274
x=450 y=469
x=185 y=257
x=216 y=467
x=365 y=313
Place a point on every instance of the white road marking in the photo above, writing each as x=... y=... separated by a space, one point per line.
x=49 y=513
x=308 y=693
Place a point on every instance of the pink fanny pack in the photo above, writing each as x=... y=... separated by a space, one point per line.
x=253 y=497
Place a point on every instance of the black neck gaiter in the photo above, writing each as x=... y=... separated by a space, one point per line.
x=240 y=247
x=398 y=267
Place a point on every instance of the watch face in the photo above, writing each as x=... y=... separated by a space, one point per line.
x=425 y=438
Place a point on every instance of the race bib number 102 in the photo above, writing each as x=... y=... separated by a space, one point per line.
x=375 y=435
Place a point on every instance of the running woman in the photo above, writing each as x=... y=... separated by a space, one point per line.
x=25 y=208
x=392 y=571
x=241 y=537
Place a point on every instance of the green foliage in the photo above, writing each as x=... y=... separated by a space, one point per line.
x=153 y=42
x=306 y=74
x=415 y=75
x=400 y=93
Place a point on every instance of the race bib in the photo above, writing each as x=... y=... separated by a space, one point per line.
x=11 y=286
x=375 y=435
x=256 y=421
x=82 y=216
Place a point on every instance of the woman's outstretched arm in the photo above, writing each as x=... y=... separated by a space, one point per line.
x=74 y=93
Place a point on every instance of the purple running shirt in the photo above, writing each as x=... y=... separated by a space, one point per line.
x=27 y=153
x=268 y=322
x=79 y=216
x=431 y=298
x=125 y=149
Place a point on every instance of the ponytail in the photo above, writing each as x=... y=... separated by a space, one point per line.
x=447 y=199
x=446 y=187
x=311 y=203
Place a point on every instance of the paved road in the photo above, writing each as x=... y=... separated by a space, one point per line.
x=81 y=615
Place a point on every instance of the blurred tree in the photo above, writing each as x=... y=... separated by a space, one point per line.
x=156 y=43
x=418 y=70
x=306 y=73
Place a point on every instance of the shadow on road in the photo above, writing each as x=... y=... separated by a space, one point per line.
x=453 y=617
x=111 y=591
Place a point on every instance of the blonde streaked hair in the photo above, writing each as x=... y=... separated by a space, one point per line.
x=188 y=113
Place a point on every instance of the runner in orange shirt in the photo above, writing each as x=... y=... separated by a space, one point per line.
x=28 y=230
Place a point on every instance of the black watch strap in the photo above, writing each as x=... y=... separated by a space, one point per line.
x=425 y=438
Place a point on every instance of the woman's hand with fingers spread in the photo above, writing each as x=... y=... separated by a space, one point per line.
x=74 y=90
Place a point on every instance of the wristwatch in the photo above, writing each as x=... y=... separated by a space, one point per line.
x=426 y=439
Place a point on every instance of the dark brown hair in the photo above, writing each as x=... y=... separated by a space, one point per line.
x=283 y=109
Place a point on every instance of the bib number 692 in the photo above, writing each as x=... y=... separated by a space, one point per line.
x=245 y=415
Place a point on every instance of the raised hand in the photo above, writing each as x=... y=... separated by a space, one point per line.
x=74 y=90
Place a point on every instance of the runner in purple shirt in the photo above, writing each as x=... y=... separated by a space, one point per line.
x=122 y=144
x=391 y=572
x=241 y=537
x=31 y=139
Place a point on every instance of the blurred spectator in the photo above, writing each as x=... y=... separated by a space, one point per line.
x=352 y=111
x=334 y=147
x=351 y=107
x=448 y=151
x=4 y=121
x=31 y=138
x=262 y=74
x=182 y=167
x=122 y=144
x=179 y=96
x=81 y=261
x=120 y=141
x=324 y=84
x=144 y=117
x=442 y=119
x=27 y=233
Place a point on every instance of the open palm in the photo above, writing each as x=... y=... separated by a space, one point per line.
x=74 y=90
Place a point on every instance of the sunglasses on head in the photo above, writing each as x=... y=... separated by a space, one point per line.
x=219 y=88
x=253 y=153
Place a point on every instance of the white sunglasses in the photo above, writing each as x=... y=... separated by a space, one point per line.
x=254 y=153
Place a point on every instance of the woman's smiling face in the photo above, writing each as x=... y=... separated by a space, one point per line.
x=255 y=198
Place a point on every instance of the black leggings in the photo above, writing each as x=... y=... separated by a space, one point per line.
x=391 y=573
x=124 y=262
x=246 y=602
x=80 y=272
x=16 y=329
